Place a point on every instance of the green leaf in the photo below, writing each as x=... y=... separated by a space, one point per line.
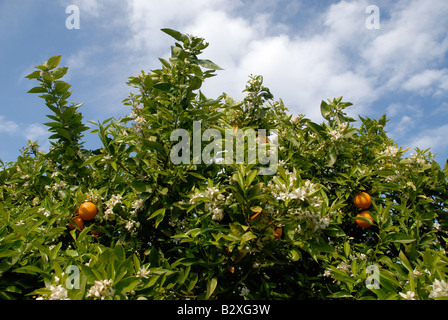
x=148 y=82
x=321 y=247
x=196 y=175
x=119 y=252
x=7 y=253
x=340 y=294
x=140 y=186
x=195 y=83
x=68 y=113
x=63 y=133
x=175 y=34
x=164 y=86
x=210 y=102
x=92 y=160
x=296 y=255
x=28 y=270
x=193 y=282
x=159 y=215
x=53 y=62
x=445 y=168
x=325 y=110
x=127 y=284
x=208 y=64
x=347 y=248
x=404 y=260
x=334 y=231
x=211 y=286
x=34 y=75
x=54 y=124
x=13 y=289
x=37 y=90
x=251 y=176
x=159 y=219
x=156 y=213
x=178 y=55
x=59 y=72
x=332 y=157
x=153 y=145
x=400 y=238
x=256 y=209
x=316 y=128
x=154 y=257
x=247 y=236
x=165 y=63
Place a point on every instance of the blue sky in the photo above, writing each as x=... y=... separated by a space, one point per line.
x=307 y=51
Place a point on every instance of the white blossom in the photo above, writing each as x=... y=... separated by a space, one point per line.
x=390 y=151
x=101 y=290
x=344 y=266
x=244 y=291
x=327 y=273
x=138 y=204
x=335 y=135
x=57 y=293
x=143 y=272
x=210 y=192
x=408 y=295
x=439 y=289
x=218 y=214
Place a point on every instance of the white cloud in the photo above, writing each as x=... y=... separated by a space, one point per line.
x=428 y=82
x=340 y=57
x=38 y=132
x=434 y=138
x=35 y=131
x=413 y=38
x=8 y=126
x=146 y=18
x=397 y=109
x=300 y=70
x=336 y=55
x=86 y=7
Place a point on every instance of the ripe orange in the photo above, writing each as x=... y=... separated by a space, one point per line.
x=96 y=233
x=262 y=139
x=362 y=223
x=87 y=211
x=362 y=200
x=278 y=232
x=79 y=223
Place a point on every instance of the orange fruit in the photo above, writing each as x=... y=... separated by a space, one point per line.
x=96 y=233
x=79 y=223
x=262 y=139
x=362 y=200
x=278 y=232
x=362 y=223
x=87 y=211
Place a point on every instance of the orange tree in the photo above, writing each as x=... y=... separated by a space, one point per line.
x=214 y=229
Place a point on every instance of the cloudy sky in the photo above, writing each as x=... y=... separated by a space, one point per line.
x=307 y=51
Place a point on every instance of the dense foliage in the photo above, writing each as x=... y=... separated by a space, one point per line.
x=210 y=230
